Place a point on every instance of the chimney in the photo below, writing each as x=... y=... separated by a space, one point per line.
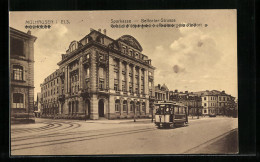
x=186 y=92
x=159 y=86
x=176 y=91
x=223 y=91
x=29 y=32
x=99 y=30
x=105 y=32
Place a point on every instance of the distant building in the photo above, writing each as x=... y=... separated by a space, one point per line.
x=189 y=99
x=100 y=77
x=21 y=74
x=37 y=105
x=216 y=102
x=161 y=93
x=209 y=102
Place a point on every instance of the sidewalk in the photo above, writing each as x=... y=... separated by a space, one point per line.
x=119 y=121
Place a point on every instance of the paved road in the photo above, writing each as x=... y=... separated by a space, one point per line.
x=71 y=137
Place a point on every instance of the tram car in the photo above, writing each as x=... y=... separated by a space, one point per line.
x=170 y=114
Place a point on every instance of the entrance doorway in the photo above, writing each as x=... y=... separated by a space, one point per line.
x=101 y=108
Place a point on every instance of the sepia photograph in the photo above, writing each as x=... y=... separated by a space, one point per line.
x=123 y=82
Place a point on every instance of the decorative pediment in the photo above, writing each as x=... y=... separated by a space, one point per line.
x=131 y=41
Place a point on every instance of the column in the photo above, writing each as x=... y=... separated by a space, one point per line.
x=146 y=83
x=127 y=77
x=140 y=80
x=81 y=106
x=111 y=74
x=80 y=74
x=93 y=71
x=94 y=107
x=68 y=80
x=134 y=79
x=65 y=80
x=120 y=76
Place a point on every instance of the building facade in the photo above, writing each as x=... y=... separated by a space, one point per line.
x=161 y=93
x=189 y=99
x=21 y=73
x=100 y=77
x=215 y=101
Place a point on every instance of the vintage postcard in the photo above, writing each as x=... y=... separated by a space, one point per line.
x=125 y=82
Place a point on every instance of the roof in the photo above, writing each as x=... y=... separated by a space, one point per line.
x=23 y=34
x=164 y=87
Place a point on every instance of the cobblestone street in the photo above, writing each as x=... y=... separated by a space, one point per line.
x=73 y=137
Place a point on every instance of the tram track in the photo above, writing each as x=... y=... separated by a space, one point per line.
x=53 y=128
x=15 y=147
x=47 y=135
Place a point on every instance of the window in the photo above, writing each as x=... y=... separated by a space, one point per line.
x=116 y=84
x=205 y=104
x=205 y=111
x=143 y=106
x=87 y=72
x=131 y=53
x=116 y=87
x=101 y=72
x=87 y=83
x=18 y=100
x=125 y=106
x=123 y=86
x=130 y=87
x=136 y=88
x=124 y=49
x=138 y=106
x=131 y=106
x=16 y=47
x=101 y=84
x=117 y=105
x=17 y=72
x=101 y=57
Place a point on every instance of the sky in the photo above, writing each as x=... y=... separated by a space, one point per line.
x=186 y=58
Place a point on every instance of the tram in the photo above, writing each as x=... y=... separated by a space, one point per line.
x=169 y=115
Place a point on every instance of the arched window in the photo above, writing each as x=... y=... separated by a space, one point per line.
x=131 y=106
x=143 y=106
x=17 y=72
x=125 y=106
x=77 y=106
x=138 y=106
x=18 y=100
x=117 y=105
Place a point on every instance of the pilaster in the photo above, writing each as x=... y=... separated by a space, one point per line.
x=140 y=80
x=127 y=77
x=134 y=79
x=120 y=76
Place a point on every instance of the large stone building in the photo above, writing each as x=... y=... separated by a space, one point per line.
x=21 y=73
x=100 y=77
